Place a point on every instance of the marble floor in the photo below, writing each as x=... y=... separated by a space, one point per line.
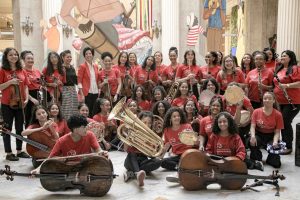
x=156 y=187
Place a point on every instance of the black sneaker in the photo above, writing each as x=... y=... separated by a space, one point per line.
x=23 y=155
x=259 y=165
x=12 y=157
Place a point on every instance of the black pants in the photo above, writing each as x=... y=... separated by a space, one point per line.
x=171 y=163
x=262 y=141
x=8 y=116
x=244 y=133
x=90 y=100
x=29 y=107
x=135 y=162
x=288 y=115
x=255 y=104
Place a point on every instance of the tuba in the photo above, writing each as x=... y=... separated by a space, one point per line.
x=134 y=132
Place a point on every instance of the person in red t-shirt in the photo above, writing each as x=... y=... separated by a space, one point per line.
x=126 y=74
x=229 y=74
x=259 y=80
x=225 y=140
x=182 y=96
x=190 y=72
x=132 y=59
x=192 y=115
x=34 y=76
x=133 y=107
x=147 y=76
x=78 y=141
x=159 y=66
x=111 y=82
x=41 y=123
x=55 y=76
x=266 y=124
x=136 y=163
x=158 y=94
x=174 y=123
x=212 y=69
x=160 y=108
x=57 y=116
x=13 y=79
x=247 y=64
x=139 y=96
x=169 y=73
x=288 y=74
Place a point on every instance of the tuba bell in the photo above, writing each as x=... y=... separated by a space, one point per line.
x=134 y=132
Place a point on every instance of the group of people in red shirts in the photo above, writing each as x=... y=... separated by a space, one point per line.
x=270 y=86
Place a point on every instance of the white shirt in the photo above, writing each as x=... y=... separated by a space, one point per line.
x=93 y=82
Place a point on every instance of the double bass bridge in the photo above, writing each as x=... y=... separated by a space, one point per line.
x=200 y=173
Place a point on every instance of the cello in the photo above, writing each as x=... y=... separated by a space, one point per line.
x=93 y=175
x=197 y=170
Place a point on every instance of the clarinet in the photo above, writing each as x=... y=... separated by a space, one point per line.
x=285 y=92
x=259 y=84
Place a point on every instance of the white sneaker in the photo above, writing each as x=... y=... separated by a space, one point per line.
x=140 y=176
x=128 y=175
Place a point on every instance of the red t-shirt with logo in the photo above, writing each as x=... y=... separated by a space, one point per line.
x=6 y=75
x=33 y=76
x=169 y=73
x=231 y=145
x=183 y=71
x=141 y=76
x=210 y=71
x=206 y=125
x=293 y=93
x=65 y=146
x=112 y=76
x=180 y=101
x=252 y=81
x=232 y=108
x=160 y=69
x=172 y=137
x=267 y=124
x=238 y=78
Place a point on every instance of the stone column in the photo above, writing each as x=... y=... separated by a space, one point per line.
x=288 y=28
x=170 y=26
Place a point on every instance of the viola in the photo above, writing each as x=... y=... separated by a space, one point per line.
x=93 y=176
x=16 y=101
x=126 y=91
x=197 y=170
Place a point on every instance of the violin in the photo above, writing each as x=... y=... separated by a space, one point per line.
x=197 y=170
x=126 y=91
x=56 y=93
x=148 y=86
x=16 y=100
x=93 y=175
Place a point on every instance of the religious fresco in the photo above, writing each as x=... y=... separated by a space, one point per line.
x=108 y=25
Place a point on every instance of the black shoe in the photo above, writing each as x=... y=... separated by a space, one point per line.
x=259 y=165
x=12 y=157
x=23 y=155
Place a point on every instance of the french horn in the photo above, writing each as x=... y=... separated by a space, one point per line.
x=134 y=132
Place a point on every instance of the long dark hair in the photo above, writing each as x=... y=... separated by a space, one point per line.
x=205 y=83
x=166 y=105
x=33 y=119
x=50 y=68
x=127 y=61
x=185 y=59
x=99 y=102
x=195 y=111
x=5 y=62
x=178 y=93
x=232 y=127
x=219 y=100
x=292 y=63
x=167 y=119
x=59 y=115
x=153 y=66
x=134 y=97
x=251 y=64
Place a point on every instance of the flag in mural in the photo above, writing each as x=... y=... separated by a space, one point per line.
x=193 y=35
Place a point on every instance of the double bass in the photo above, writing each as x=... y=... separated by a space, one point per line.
x=197 y=170
x=93 y=175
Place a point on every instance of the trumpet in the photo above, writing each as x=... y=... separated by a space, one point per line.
x=134 y=132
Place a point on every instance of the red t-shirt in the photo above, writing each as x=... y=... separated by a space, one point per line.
x=232 y=108
x=6 y=75
x=65 y=146
x=267 y=124
x=141 y=76
x=160 y=69
x=271 y=65
x=50 y=79
x=252 y=81
x=112 y=76
x=169 y=73
x=183 y=71
x=122 y=70
x=206 y=125
x=180 y=101
x=33 y=76
x=231 y=145
x=172 y=137
x=238 y=78
x=292 y=92
x=46 y=131
x=213 y=71
x=62 y=128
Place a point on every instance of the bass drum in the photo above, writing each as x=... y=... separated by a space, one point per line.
x=93 y=176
